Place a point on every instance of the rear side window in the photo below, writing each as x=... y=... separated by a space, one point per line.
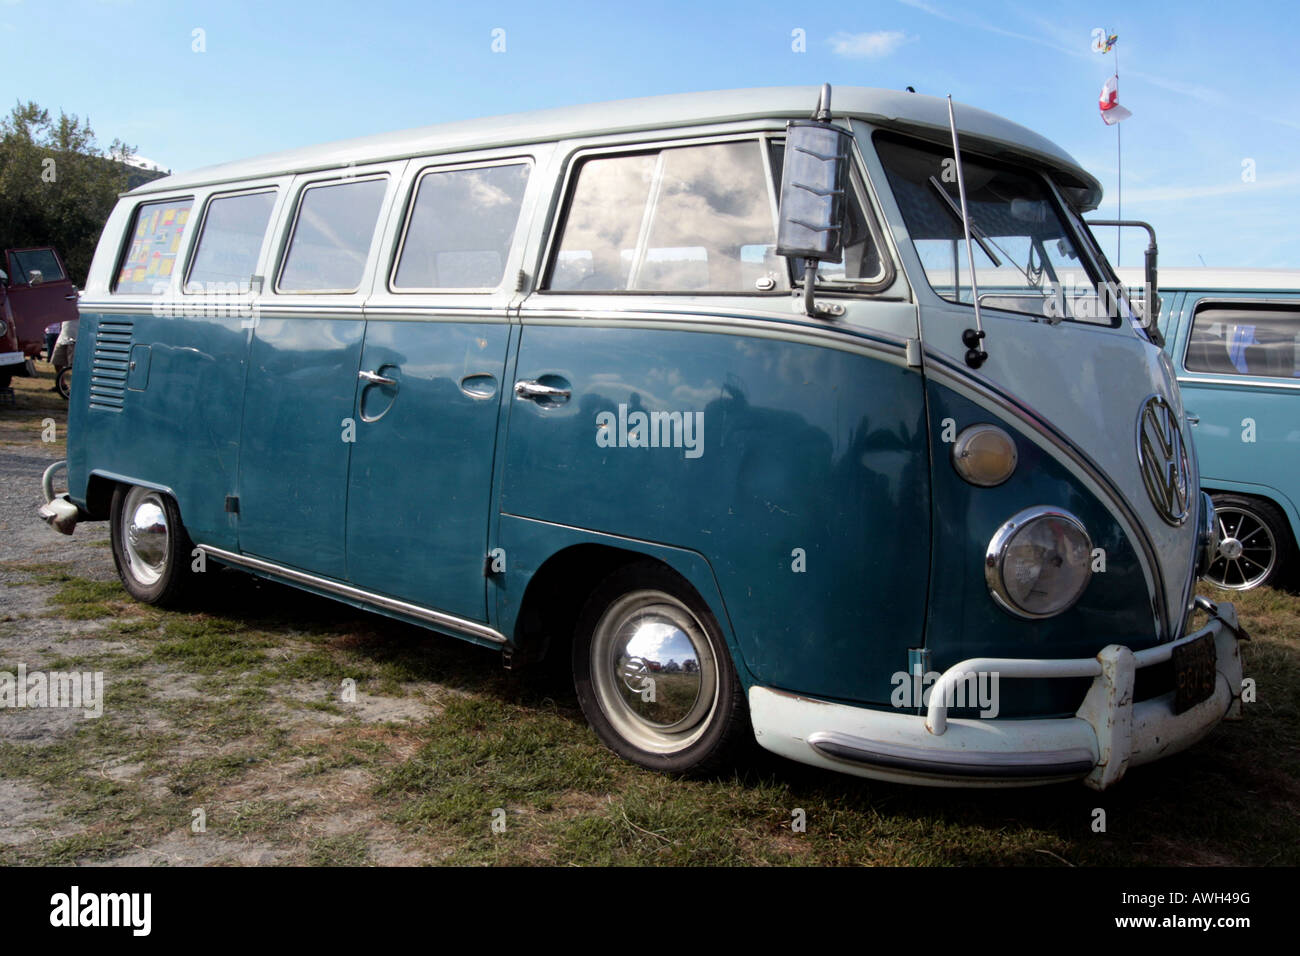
x=155 y=239
x=35 y=260
x=332 y=236
x=684 y=219
x=1245 y=340
x=230 y=240
x=461 y=225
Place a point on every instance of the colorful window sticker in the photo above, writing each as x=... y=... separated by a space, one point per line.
x=155 y=243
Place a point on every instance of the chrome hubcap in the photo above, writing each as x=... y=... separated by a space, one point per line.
x=145 y=535
x=654 y=671
x=1247 y=550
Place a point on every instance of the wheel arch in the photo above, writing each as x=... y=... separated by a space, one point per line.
x=555 y=582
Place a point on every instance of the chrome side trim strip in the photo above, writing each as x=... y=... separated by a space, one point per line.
x=357 y=594
x=943 y=368
x=1246 y=381
x=759 y=325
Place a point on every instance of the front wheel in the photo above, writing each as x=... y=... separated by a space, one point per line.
x=150 y=546
x=653 y=674
x=1254 y=544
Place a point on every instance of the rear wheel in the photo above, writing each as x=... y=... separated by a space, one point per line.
x=653 y=674
x=1255 y=546
x=150 y=546
x=64 y=382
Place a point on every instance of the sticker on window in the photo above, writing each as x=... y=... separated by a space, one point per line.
x=155 y=240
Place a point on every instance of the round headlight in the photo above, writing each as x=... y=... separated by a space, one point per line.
x=1039 y=562
x=984 y=455
x=4 y=327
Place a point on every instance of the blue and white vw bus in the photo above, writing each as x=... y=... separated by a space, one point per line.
x=1234 y=338
x=821 y=426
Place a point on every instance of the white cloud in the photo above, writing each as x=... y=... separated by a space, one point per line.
x=868 y=45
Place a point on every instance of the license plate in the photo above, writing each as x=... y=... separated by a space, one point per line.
x=1194 y=673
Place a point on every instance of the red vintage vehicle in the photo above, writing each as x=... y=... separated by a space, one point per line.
x=36 y=292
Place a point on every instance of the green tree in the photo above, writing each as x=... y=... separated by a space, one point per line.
x=57 y=186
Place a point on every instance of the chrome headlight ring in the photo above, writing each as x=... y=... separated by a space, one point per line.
x=1039 y=562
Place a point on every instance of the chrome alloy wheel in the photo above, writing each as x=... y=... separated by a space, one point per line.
x=1247 y=550
x=145 y=535
x=654 y=671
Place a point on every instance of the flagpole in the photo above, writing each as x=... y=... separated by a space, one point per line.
x=1119 y=168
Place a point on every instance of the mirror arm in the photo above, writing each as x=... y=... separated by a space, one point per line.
x=810 y=306
x=1152 y=312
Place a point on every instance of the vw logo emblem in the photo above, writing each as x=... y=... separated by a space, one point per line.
x=636 y=674
x=1163 y=461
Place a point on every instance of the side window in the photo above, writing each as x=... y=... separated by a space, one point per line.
x=36 y=260
x=230 y=240
x=1245 y=340
x=331 y=236
x=682 y=219
x=461 y=225
x=153 y=242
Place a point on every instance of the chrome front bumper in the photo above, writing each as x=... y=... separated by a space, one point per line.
x=1108 y=734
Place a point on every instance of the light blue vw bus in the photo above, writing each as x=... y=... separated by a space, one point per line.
x=784 y=422
x=1234 y=337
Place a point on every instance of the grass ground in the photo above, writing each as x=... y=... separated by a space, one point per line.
x=241 y=714
x=237 y=710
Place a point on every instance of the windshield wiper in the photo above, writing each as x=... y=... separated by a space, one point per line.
x=976 y=232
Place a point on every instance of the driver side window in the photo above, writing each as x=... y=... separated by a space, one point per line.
x=685 y=219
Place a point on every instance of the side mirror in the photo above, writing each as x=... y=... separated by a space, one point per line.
x=35 y=277
x=811 y=218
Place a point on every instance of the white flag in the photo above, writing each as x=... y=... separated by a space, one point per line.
x=1111 y=111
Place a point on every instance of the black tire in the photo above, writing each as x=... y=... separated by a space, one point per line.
x=5 y=379
x=153 y=559
x=671 y=732
x=1256 y=548
x=64 y=382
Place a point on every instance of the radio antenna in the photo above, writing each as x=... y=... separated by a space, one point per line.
x=973 y=339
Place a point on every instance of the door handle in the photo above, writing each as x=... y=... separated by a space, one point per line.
x=1193 y=419
x=71 y=298
x=535 y=391
x=374 y=378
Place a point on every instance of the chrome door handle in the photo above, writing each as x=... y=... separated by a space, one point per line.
x=535 y=390
x=1193 y=419
x=71 y=298
x=374 y=378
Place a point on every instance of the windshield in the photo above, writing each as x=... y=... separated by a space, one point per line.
x=1026 y=255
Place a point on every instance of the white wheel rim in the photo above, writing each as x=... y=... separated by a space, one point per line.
x=145 y=535
x=654 y=671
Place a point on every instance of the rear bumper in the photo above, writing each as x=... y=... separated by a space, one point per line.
x=1108 y=734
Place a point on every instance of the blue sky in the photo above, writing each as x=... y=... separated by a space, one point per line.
x=1211 y=85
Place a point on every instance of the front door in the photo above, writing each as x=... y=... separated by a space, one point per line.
x=432 y=377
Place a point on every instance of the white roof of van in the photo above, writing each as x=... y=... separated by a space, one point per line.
x=922 y=114
x=1197 y=277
